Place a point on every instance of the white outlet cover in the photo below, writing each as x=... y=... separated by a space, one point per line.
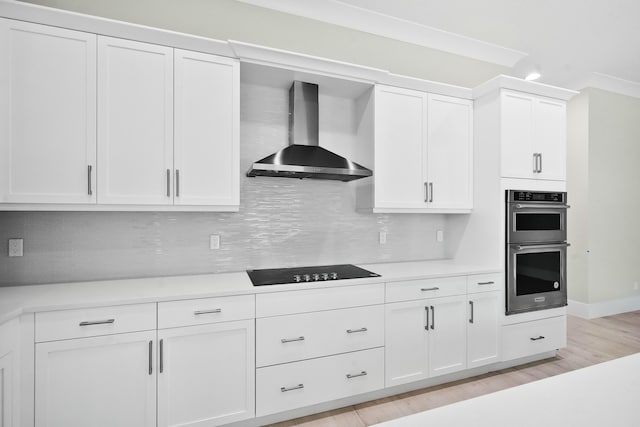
x=439 y=235
x=382 y=237
x=214 y=241
x=16 y=247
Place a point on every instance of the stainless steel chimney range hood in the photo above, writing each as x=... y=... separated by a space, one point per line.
x=303 y=157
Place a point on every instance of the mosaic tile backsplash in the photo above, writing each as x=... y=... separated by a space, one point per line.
x=281 y=223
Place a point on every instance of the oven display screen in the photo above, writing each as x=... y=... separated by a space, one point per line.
x=529 y=196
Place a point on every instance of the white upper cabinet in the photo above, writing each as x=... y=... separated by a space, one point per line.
x=47 y=114
x=533 y=136
x=206 y=130
x=423 y=152
x=135 y=123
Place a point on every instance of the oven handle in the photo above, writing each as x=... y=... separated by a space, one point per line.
x=541 y=206
x=551 y=246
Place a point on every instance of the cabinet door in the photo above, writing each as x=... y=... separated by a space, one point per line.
x=6 y=389
x=517 y=135
x=400 y=144
x=483 y=328
x=206 y=374
x=207 y=109
x=450 y=152
x=551 y=138
x=406 y=342
x=135 y=122
x=102 y=381
x=447 y=335
x=47 y=114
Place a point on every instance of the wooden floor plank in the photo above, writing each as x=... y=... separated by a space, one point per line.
x=588 y=342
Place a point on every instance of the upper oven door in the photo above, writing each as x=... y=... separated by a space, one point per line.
x=536 y=223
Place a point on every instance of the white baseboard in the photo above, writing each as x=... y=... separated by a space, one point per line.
x=603 y=308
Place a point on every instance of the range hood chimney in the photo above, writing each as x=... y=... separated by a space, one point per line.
x=303 y=157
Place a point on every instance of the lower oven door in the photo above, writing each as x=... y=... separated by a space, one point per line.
x=536 y=277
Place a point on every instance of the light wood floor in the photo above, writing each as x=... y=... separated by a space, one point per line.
x=589 y=342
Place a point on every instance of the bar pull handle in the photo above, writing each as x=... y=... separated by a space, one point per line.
x=168 y=182
x=286 y=340
x=539 y=162
x=433 y=317
x=537 y=338
x=431 y=192
x=89 y=189
x=486 y=283
x=535 y=162
x=435 y=288
x=353 y=331
x=297 y=387
x=177 y=182
x=97 y=322
x=426 y=192
x=471 y=306
x=150 y=357
x=361 y=374
x=426 y=324
x=215 y=310
x=161 y=356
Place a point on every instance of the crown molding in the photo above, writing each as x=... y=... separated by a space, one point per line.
x=338 y=13
x=514 y=83
x=611 y=84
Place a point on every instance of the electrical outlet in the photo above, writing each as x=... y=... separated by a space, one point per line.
x=439 y=236
x=382 y=237
x=214 y=241
x=16 y=247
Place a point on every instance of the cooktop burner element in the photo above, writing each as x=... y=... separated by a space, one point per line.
x=279 y=276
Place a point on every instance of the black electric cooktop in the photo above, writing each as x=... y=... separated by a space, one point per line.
x=280 y=276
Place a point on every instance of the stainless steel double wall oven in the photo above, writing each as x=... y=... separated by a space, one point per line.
x=536 y=250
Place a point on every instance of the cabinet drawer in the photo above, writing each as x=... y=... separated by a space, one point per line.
x=282 y=303
x=89 y=322
x=484 y=283
x=293 y=385
x=425 y=288
x=529 y=338
x=174 y=314
x=304 y=336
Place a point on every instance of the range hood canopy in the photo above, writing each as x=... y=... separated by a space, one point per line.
x=303 y=157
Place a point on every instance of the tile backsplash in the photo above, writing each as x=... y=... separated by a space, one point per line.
x=282 y=222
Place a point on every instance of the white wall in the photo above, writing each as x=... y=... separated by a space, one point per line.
x=603 y=176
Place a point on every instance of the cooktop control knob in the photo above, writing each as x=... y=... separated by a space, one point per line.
x=307 y=278
x=334 y=276
x=296 y=278
x=316 y=276
x=325 y=276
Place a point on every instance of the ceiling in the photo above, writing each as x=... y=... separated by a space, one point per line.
x=573 y=43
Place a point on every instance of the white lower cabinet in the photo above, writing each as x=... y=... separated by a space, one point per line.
x=100 y=381
x=483 y=333
x=535 y=337
x=425 y=338
x=9 y=377
x=206 y=374
x=293 y=385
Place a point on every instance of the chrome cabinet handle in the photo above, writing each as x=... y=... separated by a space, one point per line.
x=471 y=305
x=161 y=356
x=535 y=163
x=426 y=192
x=353 y=331
x=433 y=317
x=486 y=283
x=539 y=162
x=361 y=374
x=89 y=189
x=538 y=338
x=150 y=357
x=297 y=387
x=541 y=206
x=286 y=340
x=435 y=288
x=177 y=182
x=168 y=182
x=426 y=324
x=97 y=322
x=215 y=310
x=431 y=192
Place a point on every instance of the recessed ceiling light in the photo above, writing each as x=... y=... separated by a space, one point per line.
x=534 y=75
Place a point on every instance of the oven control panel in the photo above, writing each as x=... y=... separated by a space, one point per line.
x=536 y=196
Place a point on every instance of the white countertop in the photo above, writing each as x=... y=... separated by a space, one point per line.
x=16 y=300
x=601 y=395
